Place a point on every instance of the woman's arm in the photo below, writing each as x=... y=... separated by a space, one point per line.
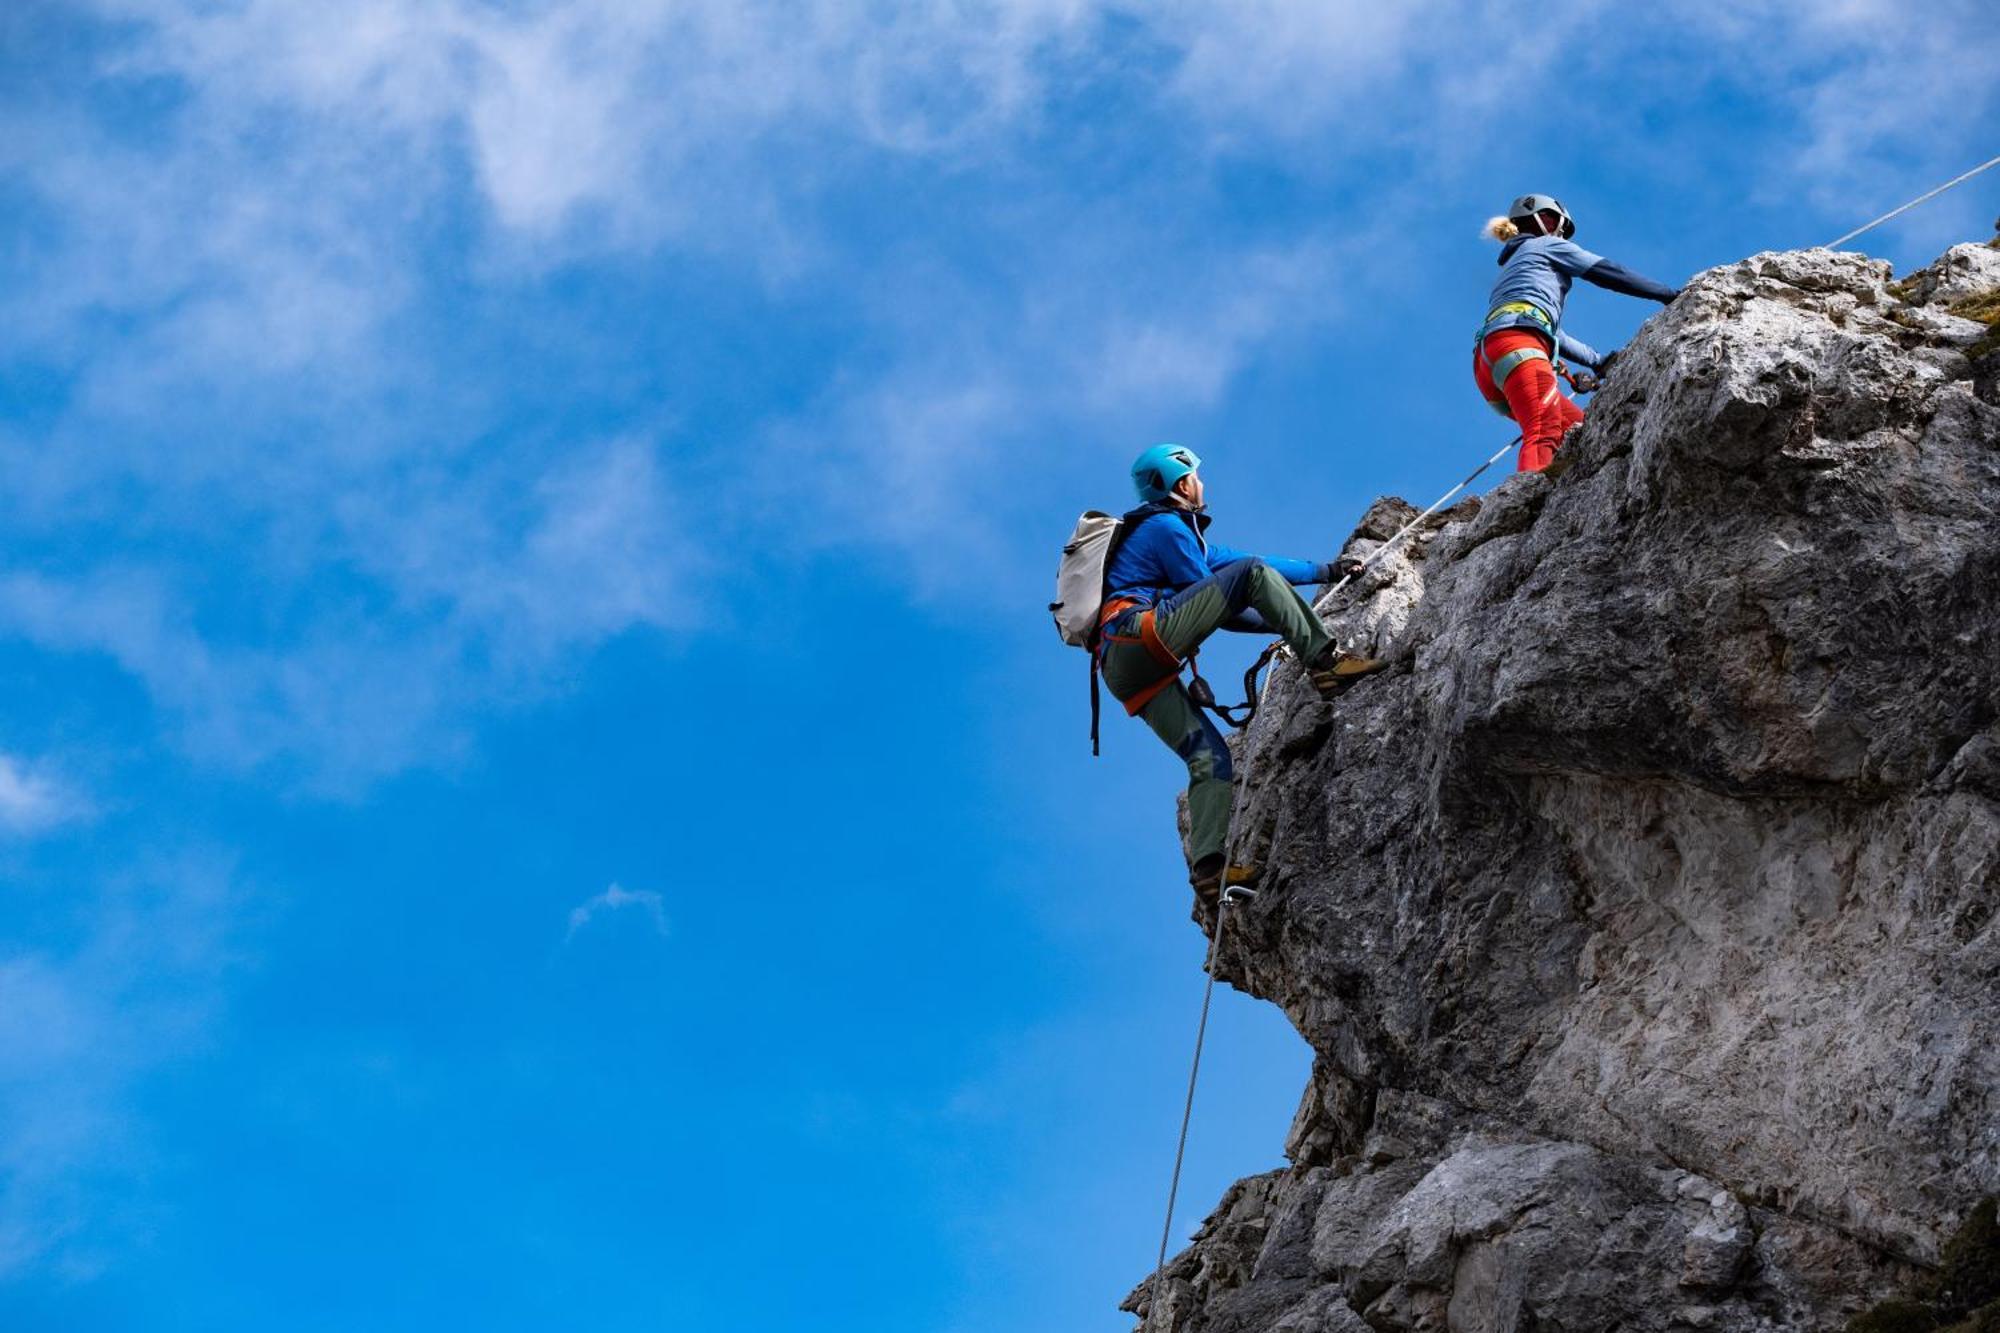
x=1571 y=258
x=1614 y=277
x=1577 y=350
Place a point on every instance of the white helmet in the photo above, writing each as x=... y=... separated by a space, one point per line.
x=1527 y=210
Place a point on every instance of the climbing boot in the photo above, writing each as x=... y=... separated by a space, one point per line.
x=1333 y=672
x=1212 y=874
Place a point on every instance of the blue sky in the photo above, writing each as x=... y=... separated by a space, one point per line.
x=537 y=789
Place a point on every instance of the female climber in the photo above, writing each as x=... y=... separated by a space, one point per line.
x=1521 y=345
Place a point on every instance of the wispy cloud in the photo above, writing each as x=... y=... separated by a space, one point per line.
x=238 y=290
x=136 y=983
x=33 y=801
x=578 y=114
x=421 y=601
x=606 y=123
x=923 y=459
x=616 y=899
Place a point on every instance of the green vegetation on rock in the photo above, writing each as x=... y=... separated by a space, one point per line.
x=1985 y=308
x=1896 y=1316
x=1986 y=1319
x=1969 y=1269
x=1966 y=1286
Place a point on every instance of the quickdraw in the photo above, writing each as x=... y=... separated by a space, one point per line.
x=1203 y=694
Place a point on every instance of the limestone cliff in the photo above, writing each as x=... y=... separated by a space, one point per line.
x=1643 y=914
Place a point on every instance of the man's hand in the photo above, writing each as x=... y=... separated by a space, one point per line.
x=1583 y=382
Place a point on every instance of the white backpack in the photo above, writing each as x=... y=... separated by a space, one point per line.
x=1080 y=578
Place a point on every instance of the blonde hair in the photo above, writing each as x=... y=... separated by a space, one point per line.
x=1501 y=229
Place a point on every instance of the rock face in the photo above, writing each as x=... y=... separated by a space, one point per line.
x=1643 y=914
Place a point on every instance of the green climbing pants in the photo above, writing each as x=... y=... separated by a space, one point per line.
x=1183 y=621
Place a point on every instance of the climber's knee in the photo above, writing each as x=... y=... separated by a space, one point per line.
x=1206 y=754
x=1238 y=582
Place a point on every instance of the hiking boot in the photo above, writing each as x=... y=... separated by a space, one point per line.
x=1213 y=873
x=1333 y=672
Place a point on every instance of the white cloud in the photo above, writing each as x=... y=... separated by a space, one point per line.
x=925 y=458
x=632 y=122
x=1876 y=99
x=593 y=552
x=358 y=703
x=614 y=899
x=80 y=1026
x=591 y=107
x=249 y=255
x=408 y=605
x=32 y=801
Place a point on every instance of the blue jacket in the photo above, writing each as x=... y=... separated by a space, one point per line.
x=1538 y=270
x=1164 y=551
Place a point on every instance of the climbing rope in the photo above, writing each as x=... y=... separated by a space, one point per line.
x=1229 y=895
x=1238 y=716
x=1956 y=180
x=1409 y=527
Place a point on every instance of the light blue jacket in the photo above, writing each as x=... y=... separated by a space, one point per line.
x=1538 y=270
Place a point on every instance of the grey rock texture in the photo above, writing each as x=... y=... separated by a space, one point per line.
x=1963 y=271
x=1643 y=914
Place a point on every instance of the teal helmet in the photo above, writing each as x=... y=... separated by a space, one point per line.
x=1155 y=471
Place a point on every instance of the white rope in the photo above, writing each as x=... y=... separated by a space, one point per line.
x=1229 y=896
x=1957 y=180
x=1442 y=501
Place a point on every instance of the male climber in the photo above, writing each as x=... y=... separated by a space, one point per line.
x=1166 y=589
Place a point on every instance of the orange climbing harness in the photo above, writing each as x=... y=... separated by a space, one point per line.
x=1156 y=648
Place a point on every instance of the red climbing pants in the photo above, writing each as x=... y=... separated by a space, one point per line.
x=1531 y=395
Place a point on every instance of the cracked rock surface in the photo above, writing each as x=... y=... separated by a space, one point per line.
x=1642 y=915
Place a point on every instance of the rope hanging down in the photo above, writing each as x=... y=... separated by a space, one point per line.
x=1229 y=896
x=1957 y=180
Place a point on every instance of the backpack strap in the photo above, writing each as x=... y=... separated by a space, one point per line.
x=1094 y=706
x=1128 y=523
x=1113 y=608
